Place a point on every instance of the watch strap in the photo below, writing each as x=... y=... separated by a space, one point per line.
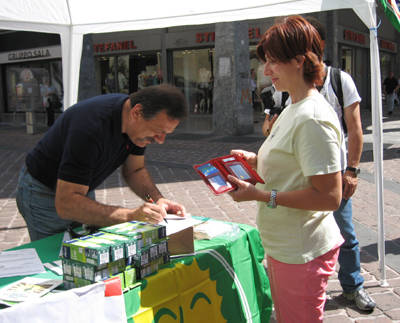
x=354 y=170
x=272 y=200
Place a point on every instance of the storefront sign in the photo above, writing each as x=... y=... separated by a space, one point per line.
x=254 y=33
x=114 y=46
x=209 y=37
x=206 y=37
x=353 y=36
x=387 y=45
x=30 y=54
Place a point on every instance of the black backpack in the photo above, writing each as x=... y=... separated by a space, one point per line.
x=336 y=83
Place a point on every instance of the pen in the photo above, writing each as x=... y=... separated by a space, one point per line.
x=150 y=200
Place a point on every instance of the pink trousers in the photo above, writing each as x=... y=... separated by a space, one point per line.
x=298 y=291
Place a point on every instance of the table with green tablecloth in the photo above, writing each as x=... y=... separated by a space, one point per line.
x=224 y=281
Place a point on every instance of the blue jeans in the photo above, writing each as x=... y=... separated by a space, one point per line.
x=35 y=202
x=349 y=257
x=390 y=101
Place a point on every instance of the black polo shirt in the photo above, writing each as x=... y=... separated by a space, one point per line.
x=85 y=144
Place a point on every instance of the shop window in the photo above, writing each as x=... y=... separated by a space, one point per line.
x=32 y=86
x=347 y=60
x=133 y=72
x=193 y=73
x=146 y=70
x=107 y=72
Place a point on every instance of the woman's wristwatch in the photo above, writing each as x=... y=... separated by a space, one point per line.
x=272 y=200
x=354 y=170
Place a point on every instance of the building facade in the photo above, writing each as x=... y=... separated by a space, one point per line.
x=31 y=71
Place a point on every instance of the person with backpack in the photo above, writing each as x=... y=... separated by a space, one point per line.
x=341 y=92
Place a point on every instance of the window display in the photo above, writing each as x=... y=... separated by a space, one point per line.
x=193 y=73
x=31 y=86
x=133 y=72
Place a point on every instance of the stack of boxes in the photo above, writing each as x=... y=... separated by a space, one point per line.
x=130 y=250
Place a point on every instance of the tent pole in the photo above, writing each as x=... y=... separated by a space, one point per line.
x=376 y=94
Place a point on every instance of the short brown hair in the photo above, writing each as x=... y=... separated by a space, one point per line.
x=157 y=98
x=290 y=37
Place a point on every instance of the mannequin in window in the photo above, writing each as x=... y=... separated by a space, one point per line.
x=204 y=79
x=28 y=92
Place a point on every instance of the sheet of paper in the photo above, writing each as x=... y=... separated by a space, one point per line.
x=28 y=288
x=177 y=223
x=21 y=262
x=211 y=229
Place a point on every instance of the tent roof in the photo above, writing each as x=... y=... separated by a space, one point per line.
x=94 y=16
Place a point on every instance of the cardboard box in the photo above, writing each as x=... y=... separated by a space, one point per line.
x=85 y=251
x=181 y=242
x=145 y=233
x=130 y=244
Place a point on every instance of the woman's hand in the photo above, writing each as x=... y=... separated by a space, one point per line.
x=244 y=192
x=248 y=156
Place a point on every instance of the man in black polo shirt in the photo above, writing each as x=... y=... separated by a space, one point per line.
x=87 y=143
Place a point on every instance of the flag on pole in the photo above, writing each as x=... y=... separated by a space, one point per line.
x=392 y=12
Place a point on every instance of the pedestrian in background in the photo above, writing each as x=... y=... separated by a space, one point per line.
x=350 y=276
x=300 y=164
x=390 y=86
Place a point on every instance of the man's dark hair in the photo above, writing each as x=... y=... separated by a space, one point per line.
x=157 y=98
x=318 y=26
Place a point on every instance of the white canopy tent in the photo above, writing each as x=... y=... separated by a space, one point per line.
x=74 y=18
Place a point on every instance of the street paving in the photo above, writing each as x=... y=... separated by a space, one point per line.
x=171 y=166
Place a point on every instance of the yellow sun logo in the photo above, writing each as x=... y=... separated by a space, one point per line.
x=185 y=294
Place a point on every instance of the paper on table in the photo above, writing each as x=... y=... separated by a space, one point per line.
x=21 y=262
x=28 y=288
x=177 y=223
x=211 y=229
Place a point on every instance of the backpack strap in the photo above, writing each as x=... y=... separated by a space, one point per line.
x=336 y=83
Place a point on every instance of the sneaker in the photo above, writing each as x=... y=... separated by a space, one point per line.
x=362 y=300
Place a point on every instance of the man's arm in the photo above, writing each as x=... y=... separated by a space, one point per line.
x=354 y=147
x=72 y=203
x=139 y=180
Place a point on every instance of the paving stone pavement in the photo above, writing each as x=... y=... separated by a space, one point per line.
x=171 y=167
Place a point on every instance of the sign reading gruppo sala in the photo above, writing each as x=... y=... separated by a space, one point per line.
x=31 y=54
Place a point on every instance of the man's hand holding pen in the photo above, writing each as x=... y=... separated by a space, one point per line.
x=156 y=211
x=149 y=199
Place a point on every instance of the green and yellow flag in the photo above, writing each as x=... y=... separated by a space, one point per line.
x=392 y=12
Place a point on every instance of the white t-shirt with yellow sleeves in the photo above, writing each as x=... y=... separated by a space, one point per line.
x=305 y=141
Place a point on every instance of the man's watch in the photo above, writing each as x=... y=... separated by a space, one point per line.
x=272 y=200
x=354 y=170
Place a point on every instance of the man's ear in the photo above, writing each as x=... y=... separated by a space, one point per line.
x=136 y=112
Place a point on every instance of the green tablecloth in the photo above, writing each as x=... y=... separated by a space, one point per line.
x=224 y=282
